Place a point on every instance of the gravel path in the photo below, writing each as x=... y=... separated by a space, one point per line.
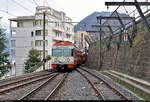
x=125 y=92
x=76 y=88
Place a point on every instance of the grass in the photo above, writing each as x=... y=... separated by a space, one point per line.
x=138 y=39
x=117 y=80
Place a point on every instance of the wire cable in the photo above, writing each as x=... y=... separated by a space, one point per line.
x=8 y=13
x=35 y=3
x=22 y=6
x=69 y=22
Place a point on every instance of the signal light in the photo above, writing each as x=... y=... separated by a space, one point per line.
x=54 y=66
x=70 y=66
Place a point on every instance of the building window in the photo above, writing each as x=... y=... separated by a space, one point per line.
x=20 y=24
x=40 y=43
x=13 y=33
x=46 y=32
x=68 y=36
x=58 y=34
x=46 y=43
x=41 y=53
x=13 y=52
x=34 y=23
x=38 y=22
x=40 y=32
x=13 y=43
x=68 y=29
x=32 y=34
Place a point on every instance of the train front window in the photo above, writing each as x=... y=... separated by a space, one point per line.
x=57 y=52
x=68 y=52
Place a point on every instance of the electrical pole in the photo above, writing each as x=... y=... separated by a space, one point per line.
x=44 y=14
x=100 y=47
x=100 y=35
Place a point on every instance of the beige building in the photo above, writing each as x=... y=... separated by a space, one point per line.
x=82 y=39
x=29 y=34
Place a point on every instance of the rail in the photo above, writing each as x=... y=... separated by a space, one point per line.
x=15 y=85
x=29 y=96
x=114 y=89
x=38 y=65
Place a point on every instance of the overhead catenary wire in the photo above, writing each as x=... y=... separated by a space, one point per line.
x=85 y=23
x=31 y=2
x=7 y=5
x=22 y=6
x=8 y=13
x=47 y=3
x=35 y=3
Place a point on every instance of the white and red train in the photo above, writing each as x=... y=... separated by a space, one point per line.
x=67 y=56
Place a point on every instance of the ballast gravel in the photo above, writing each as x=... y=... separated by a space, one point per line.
x=119 y=88
x=18 y=93
x=75 y=88
x=17 y=78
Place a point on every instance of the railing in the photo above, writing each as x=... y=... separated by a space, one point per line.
x=37 y=66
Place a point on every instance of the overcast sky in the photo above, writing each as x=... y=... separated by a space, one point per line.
x=75 y=9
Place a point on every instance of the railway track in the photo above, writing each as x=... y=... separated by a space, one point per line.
x=10 y=86
x=103 y=90
x=27 y=75
x=47 y=89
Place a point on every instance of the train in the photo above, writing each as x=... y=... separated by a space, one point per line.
x=66 y=55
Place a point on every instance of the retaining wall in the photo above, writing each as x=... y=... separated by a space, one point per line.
x=133 y=61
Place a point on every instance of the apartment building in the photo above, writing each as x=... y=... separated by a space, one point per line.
x=29 y=34
x=82 y=39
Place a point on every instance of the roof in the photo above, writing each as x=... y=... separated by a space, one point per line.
x=23 y=18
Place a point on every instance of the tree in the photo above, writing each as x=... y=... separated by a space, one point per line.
x=33 y=59
x=4 y=62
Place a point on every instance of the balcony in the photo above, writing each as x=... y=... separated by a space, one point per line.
x=66 y=39
x=58 y=29
x=69 y=32
x=58 y=38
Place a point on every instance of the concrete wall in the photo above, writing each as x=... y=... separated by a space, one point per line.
x=133 y=61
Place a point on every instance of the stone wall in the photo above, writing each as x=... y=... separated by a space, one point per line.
x=133 y=61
